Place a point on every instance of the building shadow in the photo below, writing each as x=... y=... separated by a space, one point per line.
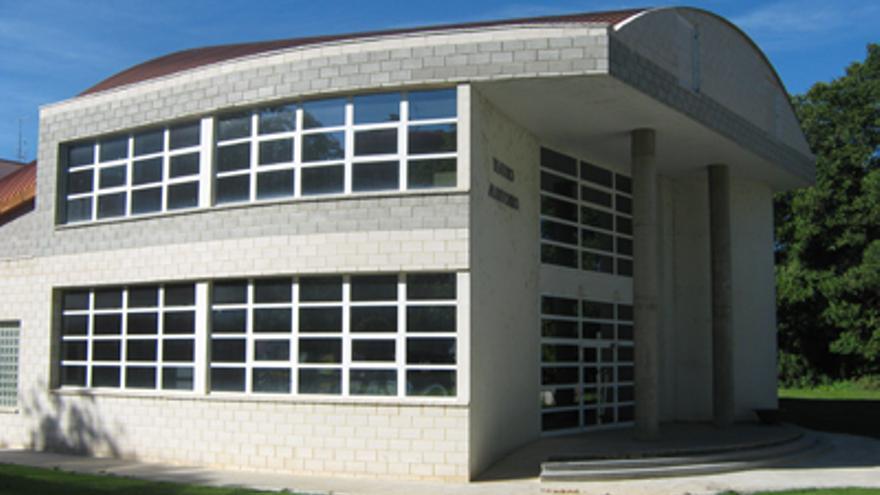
x=854 y=417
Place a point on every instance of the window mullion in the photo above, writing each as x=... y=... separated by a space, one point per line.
x=202 y=361
x=403 y=142
x=346 y=334
x=206 y=163
x=400 y=338
x=349 y=144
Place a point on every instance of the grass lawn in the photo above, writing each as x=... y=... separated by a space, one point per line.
x=843 y=407
x=835 y=391
x=20 y=480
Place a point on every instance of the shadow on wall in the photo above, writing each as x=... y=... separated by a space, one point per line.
x=70 y=425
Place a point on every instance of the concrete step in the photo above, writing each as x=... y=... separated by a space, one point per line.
x=685 y=464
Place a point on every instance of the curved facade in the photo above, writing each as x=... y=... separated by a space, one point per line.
x=399 y=254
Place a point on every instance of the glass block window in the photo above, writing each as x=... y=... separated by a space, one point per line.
x=9 y=336
x=358 y=335
x=151 y=171
x=587 y=357
x=586 y=215
x=344 y=145
x=135 y=337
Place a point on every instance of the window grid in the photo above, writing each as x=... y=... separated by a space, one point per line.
x=9 y=336
x=592 y=388
x=128 y=189
x=125 y=366
x=591 y=235
x=346 y=365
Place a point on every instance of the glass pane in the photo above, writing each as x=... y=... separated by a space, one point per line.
x=439 y=383
x=227 y=351
x=106 y=350
x=146 y=200
x=73 y=375
x=559 y=306
x=234 y=157
x=374 y=319
x=597 y=240
x=624 y=246
x=375 y=176
x=559 y=376
x=373 y=350
x=178 y=351
x=561 y=420
x=624 y=225
x=625 y=332
x=430 y=286
x=315 y=289
x=320 y=319
x=558 y=162
x=624 y=312
x=185 y=135
x=143 y=297
x=560 y=209
x=140 y=377
x=73 y=351
x=105 y=376
x=560 y=397
x=558 y=185
x=375 y=142
x=600 y=331
x=327 y=381
x=625 y=267
x=554 y=353
x=227 y=380
x=183 y=196
x=430 y=351
x=323 y=146
x=434 y=104
x=559 y=329
x=177 y=378
x=271 y=380
x=108 y=298
x=272 y=290
x=272 y=320
x=232 y=189
x=75 y=300
x=230 y=292
x=595 y=309
x=114 y=148
x=374 y=288
x=182 y=165
x=436 y=138
x=320 y=351
x=111 y=205
x=233 y=126
x=272 y=350
x=80 y=182
x=180 y=295
x=141 y=350
x=179 y=322
x=423 y=174
x=623 y=204
x=112 y=177
x=383 y=107
x=147 y=171
x=277 y=119
x=323 y=113
x=149 y=142
x=143 y=323
x=624 y=183
x=596 y=218
x=79 y=209
x=430 y=319
x=277 y=184
x=81 y=154
x=596 y=175
x=373 y=382
x=74 y=325
x=559 y=232
x=278 y=151
x=228 y=321
x=323 y=180
x=596 y=196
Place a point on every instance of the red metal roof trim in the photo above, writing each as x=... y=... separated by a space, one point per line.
x=18 y=187
x=197 y=57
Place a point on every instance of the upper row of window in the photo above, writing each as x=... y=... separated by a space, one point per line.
x=376 y=142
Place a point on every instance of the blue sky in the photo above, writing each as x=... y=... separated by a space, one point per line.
x=51 y=50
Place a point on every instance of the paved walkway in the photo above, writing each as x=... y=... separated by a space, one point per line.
x=854 y=461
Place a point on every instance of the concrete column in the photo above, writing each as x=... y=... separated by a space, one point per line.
x=646 y=275
x=722 y=312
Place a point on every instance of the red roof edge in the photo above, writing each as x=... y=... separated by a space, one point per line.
x=18 y=187
x=197 y=57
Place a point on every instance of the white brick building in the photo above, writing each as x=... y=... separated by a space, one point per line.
x=402 y=254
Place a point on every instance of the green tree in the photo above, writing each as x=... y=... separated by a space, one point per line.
x=828 y=235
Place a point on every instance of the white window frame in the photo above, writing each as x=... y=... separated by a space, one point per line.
x=10 y=339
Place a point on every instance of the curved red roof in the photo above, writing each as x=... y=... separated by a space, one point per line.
x=197 y=57
x=18 y=187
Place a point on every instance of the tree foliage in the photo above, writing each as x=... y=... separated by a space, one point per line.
x=828 y=235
